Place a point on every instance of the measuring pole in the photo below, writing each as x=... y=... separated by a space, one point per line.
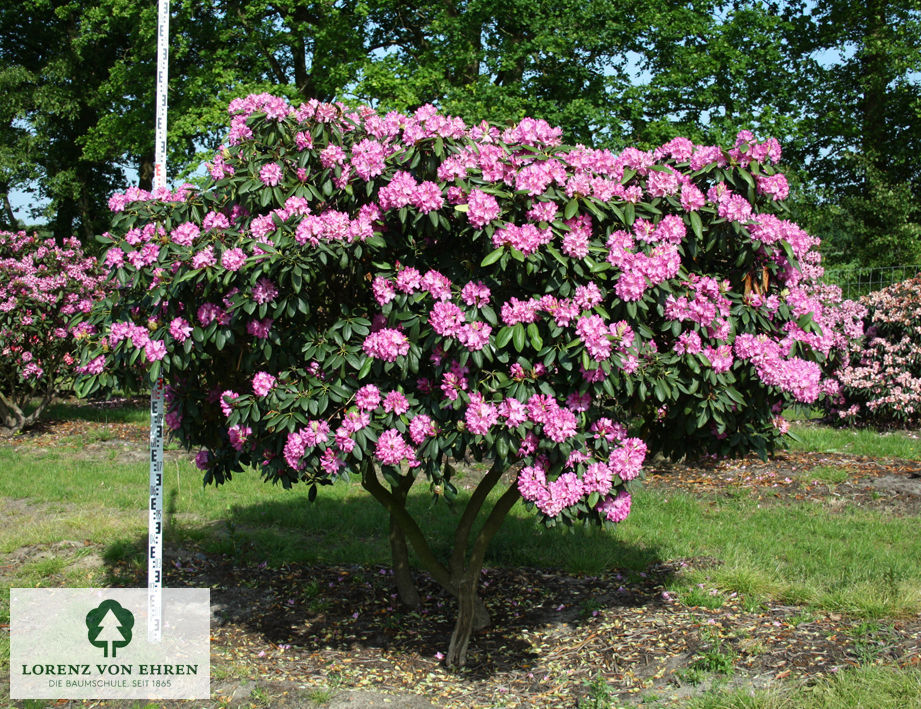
x=157 y=399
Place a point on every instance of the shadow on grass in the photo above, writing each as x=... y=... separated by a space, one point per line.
x=123 y=409
x=316 y=576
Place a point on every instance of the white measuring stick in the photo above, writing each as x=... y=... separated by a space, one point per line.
x=155 y=517
x=157 y=400
x=159 y=178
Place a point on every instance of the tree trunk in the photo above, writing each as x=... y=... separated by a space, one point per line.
x=399 y=552
x=471 y=611
x=462 y=580
x=402 y=571
x=63 y=223
x=408 y=529
x=467 y=599
x=146 y=172
x=875 y=74
x=12 y=417
x=8 y=216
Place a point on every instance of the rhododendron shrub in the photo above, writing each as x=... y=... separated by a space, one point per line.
x=881 y=379
x=46 y=291
x=381 y=295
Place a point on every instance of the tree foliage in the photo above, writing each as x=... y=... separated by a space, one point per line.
x=52 y=72
x=79 y=78
x=862 y=136
x=835 y=82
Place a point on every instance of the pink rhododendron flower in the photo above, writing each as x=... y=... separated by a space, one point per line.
x=264 y=291
x=263 y=383
x=180 y=329
x=204 y=258
x=237 y=436
x=392 y=448
x=616 y=509
x=155 y=350
x=185 y=234
x=315 y=433
x=368 y=398
x=396 y=402
x=408 y=280
x=482 y=208
x=259 y=328
x=227 y=399
x=480 y=415
x=233 y=259
x=420 y=428
x=386 y=344
x=270 y=174
x=446 y=319
x=475 y=294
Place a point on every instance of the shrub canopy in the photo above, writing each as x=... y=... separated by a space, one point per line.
x=356 y=292
x=407 y=288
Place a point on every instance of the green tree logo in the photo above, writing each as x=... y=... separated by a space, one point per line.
x=109 y=626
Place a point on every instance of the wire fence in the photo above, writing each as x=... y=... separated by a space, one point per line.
x=856 y=282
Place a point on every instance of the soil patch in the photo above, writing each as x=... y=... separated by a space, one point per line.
x=88 y=440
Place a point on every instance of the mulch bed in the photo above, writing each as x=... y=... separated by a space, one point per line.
x=552 y=634
x=300 y=627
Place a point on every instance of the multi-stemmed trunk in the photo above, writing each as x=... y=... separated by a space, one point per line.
x=460 y=576
x=13 y=417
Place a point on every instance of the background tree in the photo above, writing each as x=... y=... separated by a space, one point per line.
x=836 y=83
x=711 y=68
x=16 y=166
x=53 y=68
x=861 y=127
x=566 y=61
x=80 y=78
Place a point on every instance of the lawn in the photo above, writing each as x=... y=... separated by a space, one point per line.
x=710 y=594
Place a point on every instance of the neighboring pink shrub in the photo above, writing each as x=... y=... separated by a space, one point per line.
x=46 y=290
x=881 y=379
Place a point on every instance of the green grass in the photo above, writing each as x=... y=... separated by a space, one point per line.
x=831 y=474
x=715 y=659
x=863 y=441
x=866 y=687
x=856 y=561
x=103 y=413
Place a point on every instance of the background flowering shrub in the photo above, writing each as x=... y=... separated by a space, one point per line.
x=380 y=295
x=46 y=290
x=881 y=378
